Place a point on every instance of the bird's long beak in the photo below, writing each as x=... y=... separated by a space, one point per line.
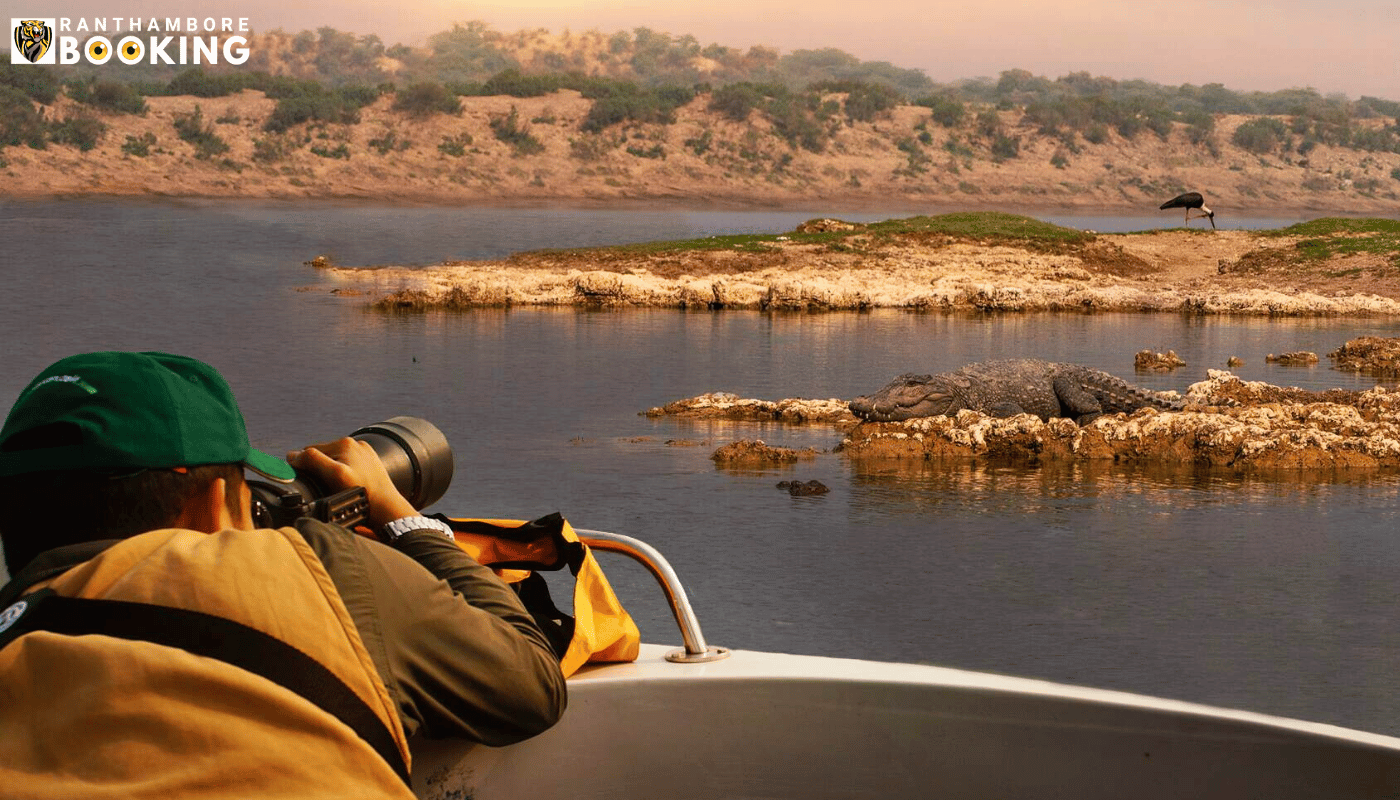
x=1211 y=217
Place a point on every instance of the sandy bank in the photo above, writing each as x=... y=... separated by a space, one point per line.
x=1189 y=271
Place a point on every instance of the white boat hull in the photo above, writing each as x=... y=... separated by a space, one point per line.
x=762 y=725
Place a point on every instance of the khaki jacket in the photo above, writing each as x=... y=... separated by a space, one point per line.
x=95 y=716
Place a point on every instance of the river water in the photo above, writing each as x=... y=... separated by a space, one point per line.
x=1272 y=593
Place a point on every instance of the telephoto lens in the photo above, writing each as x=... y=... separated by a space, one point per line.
x=414 y=452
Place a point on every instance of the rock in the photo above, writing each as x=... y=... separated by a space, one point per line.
x=1369 y=355
x=801 y=489
x=319 y=262
x=724 y=405
x=755 y=452
x=824 y=226
x=1300 y=358
x=1147 y=359
x=1233 y=424
x=1234 y=361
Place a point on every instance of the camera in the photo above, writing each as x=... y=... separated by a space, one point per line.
x=415 y=454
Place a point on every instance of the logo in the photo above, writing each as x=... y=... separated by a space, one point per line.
x=33 y=41
x=12 y=614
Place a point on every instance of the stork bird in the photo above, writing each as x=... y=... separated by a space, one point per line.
x=1191 y=201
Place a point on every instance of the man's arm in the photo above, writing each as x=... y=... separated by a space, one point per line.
x=459 y=653
x=456 y=648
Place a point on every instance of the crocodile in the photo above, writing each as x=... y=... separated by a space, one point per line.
x=1007 y=388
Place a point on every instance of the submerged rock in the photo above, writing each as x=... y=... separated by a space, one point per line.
x=1300 y=358
x=1147 y=359
x=755 y=452
x=723 y=405
x=803 y=488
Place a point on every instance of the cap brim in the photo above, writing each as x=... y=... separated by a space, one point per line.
x=273 y=468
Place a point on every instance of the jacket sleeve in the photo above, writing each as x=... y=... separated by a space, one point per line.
x=458 y=652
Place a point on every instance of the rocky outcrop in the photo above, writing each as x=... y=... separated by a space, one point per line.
x=1272 y=429
x=1369 y=355
x=723 y=405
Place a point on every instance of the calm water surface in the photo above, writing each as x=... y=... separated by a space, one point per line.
x=1272 y=593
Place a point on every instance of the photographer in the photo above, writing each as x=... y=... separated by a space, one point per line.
x=167 y=648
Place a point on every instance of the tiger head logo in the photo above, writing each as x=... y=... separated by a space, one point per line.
x=33 y=39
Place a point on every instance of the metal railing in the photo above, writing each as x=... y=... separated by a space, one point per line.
x=695 y=649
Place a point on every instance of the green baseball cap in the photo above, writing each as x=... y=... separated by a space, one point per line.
x=114 y=412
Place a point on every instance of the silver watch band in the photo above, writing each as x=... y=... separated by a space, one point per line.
x=393 y=531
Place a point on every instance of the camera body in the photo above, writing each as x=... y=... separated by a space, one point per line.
x=414 y=452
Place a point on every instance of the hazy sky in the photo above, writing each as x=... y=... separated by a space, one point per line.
x=1344 y=46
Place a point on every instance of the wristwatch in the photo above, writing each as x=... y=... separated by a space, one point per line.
x=393 y=531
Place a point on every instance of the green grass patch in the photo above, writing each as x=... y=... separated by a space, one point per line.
x=983 y=225
x=1337 y=236
x=979 y=225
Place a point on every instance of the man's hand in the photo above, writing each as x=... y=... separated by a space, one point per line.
x=348 y=462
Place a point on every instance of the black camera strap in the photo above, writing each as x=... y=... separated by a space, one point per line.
x=210 y=636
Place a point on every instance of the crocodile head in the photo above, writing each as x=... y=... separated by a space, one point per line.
x=909 y=396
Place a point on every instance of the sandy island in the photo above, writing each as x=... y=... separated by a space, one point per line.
x=1195 y=271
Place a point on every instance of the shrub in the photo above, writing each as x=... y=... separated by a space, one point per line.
x=340 y=151
x=118 y=97
x=616 y=102
x=1006 y=147
x=736 y=101
x=191 y=128
x=508 y=129
x=82 y=131
x=199 y=83
x=275 y=147
x=864 y=101
x=700 y=145
x=947 y=111
x=455 y=146
x=305 y=101
x=139 y=146
x=655 y=151
x=20 y=123
x=425 y=99
x=591 y=147
x=1260 y=135
x=389 y=142
x=40 y=85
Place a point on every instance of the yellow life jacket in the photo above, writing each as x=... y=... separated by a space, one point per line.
x=95 y=716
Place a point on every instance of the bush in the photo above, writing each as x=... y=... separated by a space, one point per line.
x=509 y=130
x=191 y=128
x=1261 y=135
x=306 y=101
x=275 y=147
x=139 y=146
x=616 y=102
x=199 y=83
x=118 y=97
x=947 y=111
x=20 y=123
x=83 y=132
x=737 y=100
x=1006 y=147
x=425 y=99
x=455 y=146
x=864 y=101
x=389 y=142
x=340 y=151
x=40 y=85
